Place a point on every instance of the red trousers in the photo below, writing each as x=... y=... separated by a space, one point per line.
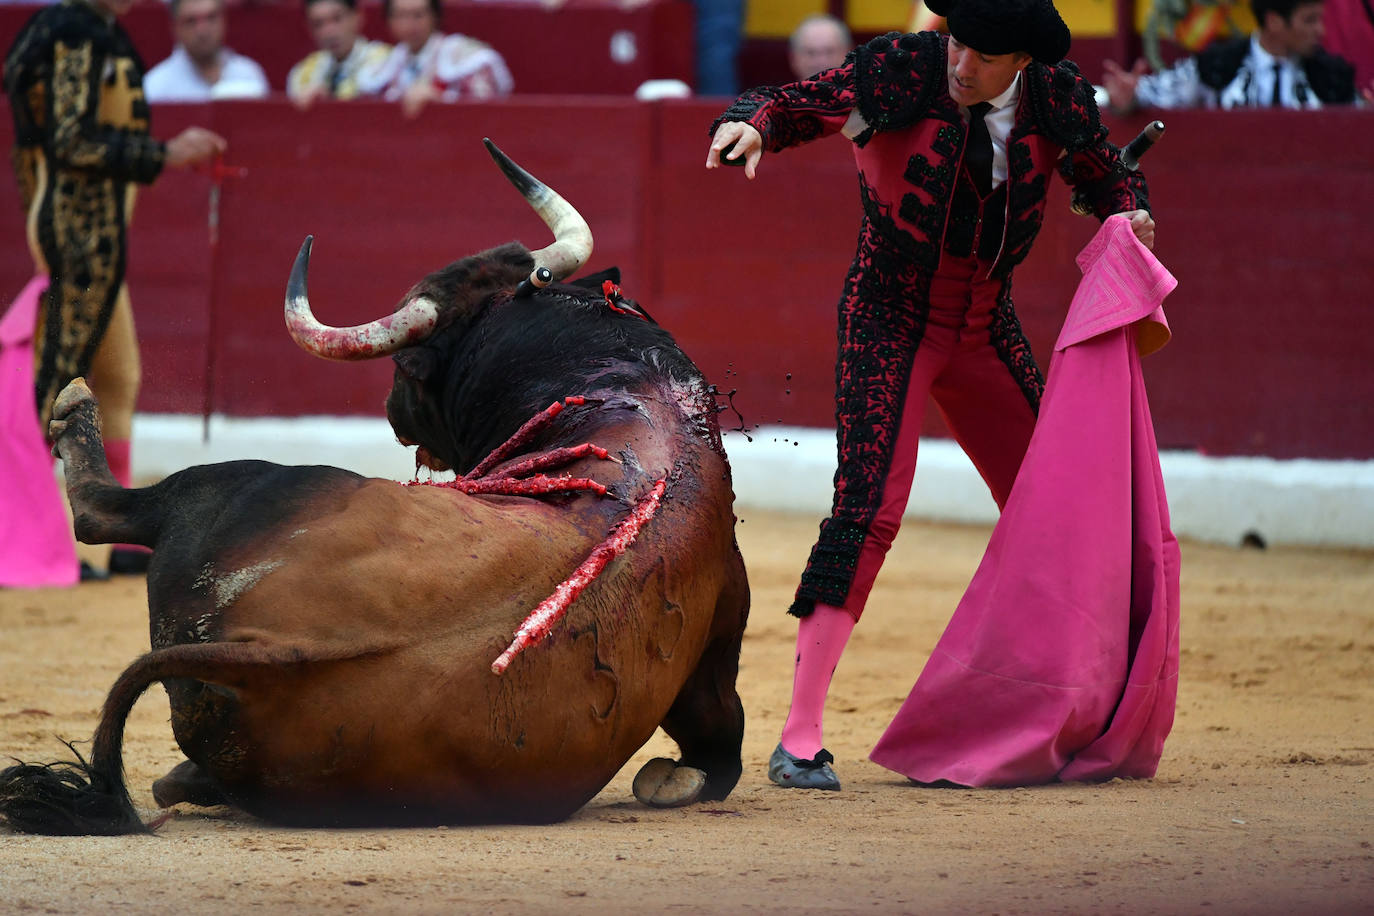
x=982 y=402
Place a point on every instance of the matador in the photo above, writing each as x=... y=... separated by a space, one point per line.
x=955 y=138
x=82 y=145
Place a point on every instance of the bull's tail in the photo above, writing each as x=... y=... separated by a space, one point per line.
x=84 y=798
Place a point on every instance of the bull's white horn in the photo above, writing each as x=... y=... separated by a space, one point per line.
x=572 y=236
x=408 y=325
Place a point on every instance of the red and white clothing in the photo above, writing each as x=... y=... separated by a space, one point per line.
x=461 y=68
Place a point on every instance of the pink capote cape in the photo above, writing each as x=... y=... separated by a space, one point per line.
x=36 y=545
x=1061 y=660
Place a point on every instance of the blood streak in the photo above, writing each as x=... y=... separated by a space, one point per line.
x=523 y=478
x=542 y=619
x=531 y=486
x=524 y=433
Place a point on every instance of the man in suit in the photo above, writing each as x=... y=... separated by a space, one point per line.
x=1280 y=65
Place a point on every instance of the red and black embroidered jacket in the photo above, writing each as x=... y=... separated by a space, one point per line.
x=909 y=156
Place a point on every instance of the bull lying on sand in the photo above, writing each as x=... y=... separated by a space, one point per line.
x=344 y=650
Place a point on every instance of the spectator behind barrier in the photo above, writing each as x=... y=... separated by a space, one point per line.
x=1282 y=64
x=819 y=42
x=428 y=66
x=332 y=71
x=200 y=67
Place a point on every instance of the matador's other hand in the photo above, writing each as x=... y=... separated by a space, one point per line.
x=1143 y=225
x=747 y=143
x=194 y=145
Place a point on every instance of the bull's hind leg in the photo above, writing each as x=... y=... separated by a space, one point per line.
x=187 y=782
x=707 y=722
x=102 y=510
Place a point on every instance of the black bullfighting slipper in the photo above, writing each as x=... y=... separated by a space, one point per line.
x=90 y=574
x=795 y=773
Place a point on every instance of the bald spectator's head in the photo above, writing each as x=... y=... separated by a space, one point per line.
x=819 y=43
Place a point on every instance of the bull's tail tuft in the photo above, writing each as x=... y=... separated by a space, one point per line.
x=66 y=799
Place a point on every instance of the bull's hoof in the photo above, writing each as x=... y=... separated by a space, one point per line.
x=68 y=401
x=188 y=783
x=76 y=393
x=661 y=783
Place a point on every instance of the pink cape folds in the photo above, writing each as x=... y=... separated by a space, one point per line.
x=1061 y=660
x=36 y=546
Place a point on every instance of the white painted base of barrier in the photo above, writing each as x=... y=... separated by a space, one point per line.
x=1327 y=503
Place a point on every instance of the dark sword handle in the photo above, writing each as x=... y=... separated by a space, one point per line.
x=1131 y=153
x=727 y=151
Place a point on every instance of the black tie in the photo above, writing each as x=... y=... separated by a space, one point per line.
x=978 y=156
x=1277 y=100
x=335 y=78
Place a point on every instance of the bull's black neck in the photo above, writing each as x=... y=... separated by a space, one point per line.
x=521 y=355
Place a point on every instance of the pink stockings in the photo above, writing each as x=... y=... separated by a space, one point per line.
x=821 y=638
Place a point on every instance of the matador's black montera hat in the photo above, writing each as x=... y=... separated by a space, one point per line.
x=1007 y=26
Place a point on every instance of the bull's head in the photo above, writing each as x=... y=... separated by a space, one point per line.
x=418 y=315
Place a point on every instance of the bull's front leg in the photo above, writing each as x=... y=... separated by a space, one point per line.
x=102 y=510
x=707 y=718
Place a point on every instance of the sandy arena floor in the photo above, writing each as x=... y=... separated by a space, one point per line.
x=1264 y=802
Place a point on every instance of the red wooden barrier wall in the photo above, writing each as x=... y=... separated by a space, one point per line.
x=1264 y=218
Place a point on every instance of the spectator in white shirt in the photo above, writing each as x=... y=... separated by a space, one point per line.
x=201 y=68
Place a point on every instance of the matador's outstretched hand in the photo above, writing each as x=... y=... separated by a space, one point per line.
x=744 y=142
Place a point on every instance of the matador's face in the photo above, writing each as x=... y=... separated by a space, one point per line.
x=977 y=77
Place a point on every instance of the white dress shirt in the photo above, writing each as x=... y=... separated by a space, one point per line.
x=176 y=79
x=999 y=119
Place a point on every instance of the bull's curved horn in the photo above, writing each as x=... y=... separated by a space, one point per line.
x=572 y=236
x=410 y=324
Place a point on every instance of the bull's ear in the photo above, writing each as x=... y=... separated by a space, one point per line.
x=416 y=362
x=594 y=281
